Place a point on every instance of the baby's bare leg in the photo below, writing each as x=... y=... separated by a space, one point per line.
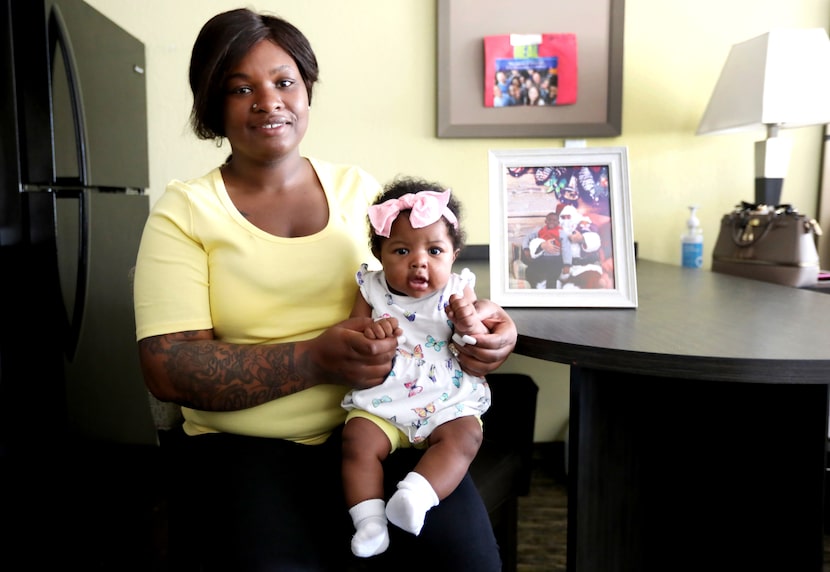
x=452 y=447
x=365 y=446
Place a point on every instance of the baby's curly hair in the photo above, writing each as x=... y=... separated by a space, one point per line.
x=404 y=185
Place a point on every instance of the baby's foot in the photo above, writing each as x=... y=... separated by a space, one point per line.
x=408 y=507
x=371 y=535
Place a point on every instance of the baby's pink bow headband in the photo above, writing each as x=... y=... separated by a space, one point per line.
x=427 y=207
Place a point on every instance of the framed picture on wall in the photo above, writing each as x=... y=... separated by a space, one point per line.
x=589 y=64
x=560 y=228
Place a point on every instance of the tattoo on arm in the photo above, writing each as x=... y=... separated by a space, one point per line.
x=218 y=376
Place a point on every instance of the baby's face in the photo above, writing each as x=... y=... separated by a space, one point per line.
x=417 y=261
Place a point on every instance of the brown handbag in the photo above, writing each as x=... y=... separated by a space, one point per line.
x=774 y=244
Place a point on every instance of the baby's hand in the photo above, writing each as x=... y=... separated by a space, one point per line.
x=462 y=312
x=382 y=328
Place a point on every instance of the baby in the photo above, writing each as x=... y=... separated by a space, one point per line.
x=427 y=400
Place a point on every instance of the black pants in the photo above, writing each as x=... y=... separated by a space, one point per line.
x=544 y=268
x=241 y=504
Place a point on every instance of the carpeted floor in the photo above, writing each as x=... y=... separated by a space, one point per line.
x=543 y=524
x=543 y=516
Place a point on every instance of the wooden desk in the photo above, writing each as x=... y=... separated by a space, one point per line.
x=698 y=423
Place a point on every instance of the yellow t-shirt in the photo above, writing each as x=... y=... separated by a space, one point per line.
x=202 y=265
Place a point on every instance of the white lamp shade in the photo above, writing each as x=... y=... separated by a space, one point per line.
x=780 y=78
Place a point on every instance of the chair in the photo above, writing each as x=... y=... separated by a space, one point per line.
x=501 y=470
x=518 y=268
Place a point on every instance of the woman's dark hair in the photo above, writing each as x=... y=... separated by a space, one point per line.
x=401 y=186
x=222 y=43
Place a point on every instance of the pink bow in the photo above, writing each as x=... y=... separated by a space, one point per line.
x=427 y=207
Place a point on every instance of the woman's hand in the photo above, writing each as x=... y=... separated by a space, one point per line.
x=344 y=355
x=493 y=348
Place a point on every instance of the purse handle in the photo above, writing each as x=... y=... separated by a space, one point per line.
x=784 y=208
x=745 y=233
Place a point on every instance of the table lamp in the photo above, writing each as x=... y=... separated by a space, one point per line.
x=775 y=81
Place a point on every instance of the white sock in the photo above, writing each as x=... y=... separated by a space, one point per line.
x=371 y=536
x=408 y=507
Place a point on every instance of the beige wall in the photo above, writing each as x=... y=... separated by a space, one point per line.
x=375 y=106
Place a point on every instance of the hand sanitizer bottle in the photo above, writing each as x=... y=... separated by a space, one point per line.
x=692 y=242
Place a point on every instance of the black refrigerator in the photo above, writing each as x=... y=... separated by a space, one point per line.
x=73 y=180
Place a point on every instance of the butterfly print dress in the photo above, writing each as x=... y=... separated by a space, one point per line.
x=426 y=386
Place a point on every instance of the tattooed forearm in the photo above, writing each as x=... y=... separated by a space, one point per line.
x=197 y=371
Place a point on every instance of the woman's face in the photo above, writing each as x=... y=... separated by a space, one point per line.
x=266 y=104
x=533 y=93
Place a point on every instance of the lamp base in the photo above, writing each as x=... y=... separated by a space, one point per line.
x=768 y=191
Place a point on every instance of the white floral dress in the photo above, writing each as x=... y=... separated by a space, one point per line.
x=426 y=386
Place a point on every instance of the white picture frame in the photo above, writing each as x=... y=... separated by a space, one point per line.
x=595 y=183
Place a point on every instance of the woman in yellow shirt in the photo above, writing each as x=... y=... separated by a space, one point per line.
x=243 y=288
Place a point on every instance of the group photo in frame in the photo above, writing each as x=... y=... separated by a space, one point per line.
x=560 y=228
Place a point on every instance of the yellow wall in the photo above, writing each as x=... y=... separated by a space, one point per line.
x=375 y=106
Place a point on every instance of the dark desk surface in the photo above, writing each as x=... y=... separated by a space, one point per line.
x=659 y=443
x=691 y=324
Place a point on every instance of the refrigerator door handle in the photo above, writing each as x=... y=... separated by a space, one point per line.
x=72 y=232
x=59 y=38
